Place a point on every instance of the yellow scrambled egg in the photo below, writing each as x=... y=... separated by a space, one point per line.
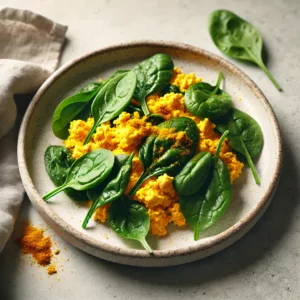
x=125 y=136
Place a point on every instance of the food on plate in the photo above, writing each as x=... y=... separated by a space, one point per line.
x=158 y=146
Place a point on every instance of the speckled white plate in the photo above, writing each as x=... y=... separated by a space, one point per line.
x=249 y=200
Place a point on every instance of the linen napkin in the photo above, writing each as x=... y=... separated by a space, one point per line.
x=30 y=46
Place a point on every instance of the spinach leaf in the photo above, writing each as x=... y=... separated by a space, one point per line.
x=130 y=220
x=238 y=39
x=204 y=208
x=87 y=171
x=112 y=99
x=117 y=73
x=95 y=192
x=58 y=161
x=121 y=160
x=91 y=87
x=72 y=108
x=153 y=75
x=206 y=101
x=161 y=155
x=208 y=89
x=113 y=190
x=155 y=119
x=131 y=108
x=245 y=136
x=170 y=88
x=193 y=175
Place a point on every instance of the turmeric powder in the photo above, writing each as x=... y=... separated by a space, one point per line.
x=39 y=246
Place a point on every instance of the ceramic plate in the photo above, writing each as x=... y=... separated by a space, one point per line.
x=249 y=200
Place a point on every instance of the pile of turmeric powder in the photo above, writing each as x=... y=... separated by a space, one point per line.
x=39 y=246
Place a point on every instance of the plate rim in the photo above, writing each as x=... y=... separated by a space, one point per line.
x=249 y=219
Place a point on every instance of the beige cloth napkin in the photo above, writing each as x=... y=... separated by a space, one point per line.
x=30 y=47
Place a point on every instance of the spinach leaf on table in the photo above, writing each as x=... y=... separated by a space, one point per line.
x=161 y=155
x=74 y=107
x=130 y=220
x=193 y=175
x=153 y=75
x=113 y=190
x=58 y=160
x=86 y=172
x=238 y=39
x=202 y=209
x=206 y=101
x=245 y=136
x=112 y=99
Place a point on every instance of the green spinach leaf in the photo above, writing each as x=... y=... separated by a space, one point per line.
x=74 y=107
x=87 y=172
x=130 y=220
x=171 y=88
x=153 y=75
x=116 y=73
x=238 y=39
x=58 y=161
x=204 y=208
x=193 y=175
x=155 y=119
x=113 y=190
x=112 y=99
x=161 y=155
x=206 y=101
x=95 y=192
x=131 y=108
x=91 y=87
x=245 y=136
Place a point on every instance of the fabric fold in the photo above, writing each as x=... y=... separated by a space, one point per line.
x=30 y=50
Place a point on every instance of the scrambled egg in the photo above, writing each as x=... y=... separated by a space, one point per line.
x=126 y=134
x=183 y=81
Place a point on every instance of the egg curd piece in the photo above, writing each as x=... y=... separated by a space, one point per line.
x=209 y=140
x=125 y=135
x=175 y=214
x=184 y=81
x=159 y=221
x=101 y=213
x=157 y=192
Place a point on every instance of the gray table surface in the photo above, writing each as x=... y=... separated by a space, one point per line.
x=262 y=265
